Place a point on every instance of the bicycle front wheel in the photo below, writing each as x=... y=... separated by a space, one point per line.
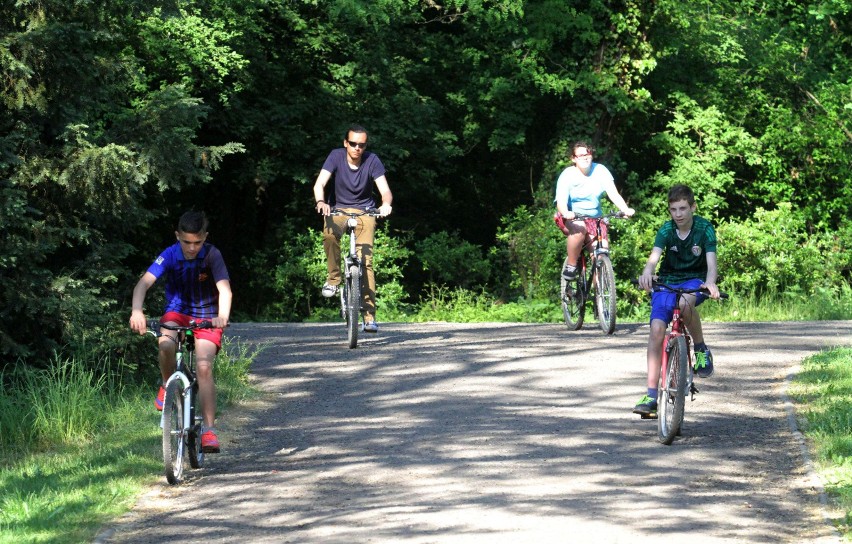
x=572 y=297
x=173 y=432
x=605 y=293
x=353 y=304
x=673 y=391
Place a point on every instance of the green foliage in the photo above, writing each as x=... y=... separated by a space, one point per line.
x=773 y=253
x=457 y=305
x=823 y=390
x=288 y=275
x=535 y=250
x=450 y=260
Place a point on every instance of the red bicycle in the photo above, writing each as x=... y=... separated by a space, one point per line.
x=676 y=371
x=594 y=271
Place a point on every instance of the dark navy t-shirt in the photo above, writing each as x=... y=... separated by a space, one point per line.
x=191 y=285
x=353 y=188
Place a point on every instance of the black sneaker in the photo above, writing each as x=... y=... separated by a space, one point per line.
x=647 y=407
x=569 y=275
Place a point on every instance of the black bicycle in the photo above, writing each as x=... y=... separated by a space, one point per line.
x=181 y=419
x=599 y=276
x=351 y=296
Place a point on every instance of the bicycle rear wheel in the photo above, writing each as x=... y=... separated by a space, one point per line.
x=673 y=391
x=353 y=304
x=193 y=437
x=605 y=293
x=572 y=297
x=173 y=432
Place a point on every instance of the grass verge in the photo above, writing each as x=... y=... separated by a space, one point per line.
x=78 y=448
x=823 y=393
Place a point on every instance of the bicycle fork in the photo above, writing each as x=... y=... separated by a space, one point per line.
x=187 y=401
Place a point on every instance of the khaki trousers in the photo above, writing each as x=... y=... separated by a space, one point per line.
x=335 y=227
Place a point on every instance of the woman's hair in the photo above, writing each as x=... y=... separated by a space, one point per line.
x=581 y=143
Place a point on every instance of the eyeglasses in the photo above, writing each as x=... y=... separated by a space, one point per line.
x=583 y=156
x=361 y=145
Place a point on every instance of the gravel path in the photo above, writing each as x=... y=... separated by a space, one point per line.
x=497 y=433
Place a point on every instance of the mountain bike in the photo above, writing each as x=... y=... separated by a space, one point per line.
x=676 y=371
x=181 y=418
x=351 y=295
x=598 y=276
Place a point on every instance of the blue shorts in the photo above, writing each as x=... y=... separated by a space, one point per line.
x=663 y=302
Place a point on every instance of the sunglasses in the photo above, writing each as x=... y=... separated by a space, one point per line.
x=357 y=144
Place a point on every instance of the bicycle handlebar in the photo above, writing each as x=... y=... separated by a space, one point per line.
x=616 y=215
x=154 y=326
x=659 y=286
x=374 y=212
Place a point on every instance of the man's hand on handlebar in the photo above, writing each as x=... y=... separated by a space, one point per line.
x=385 y=210
x=323 y=208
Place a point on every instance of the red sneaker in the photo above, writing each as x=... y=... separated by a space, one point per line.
x=161 y=396
x=209 y=442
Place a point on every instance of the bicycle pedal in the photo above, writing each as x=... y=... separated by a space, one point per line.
x=652 y=415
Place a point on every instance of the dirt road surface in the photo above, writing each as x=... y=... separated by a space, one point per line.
x=498 y=433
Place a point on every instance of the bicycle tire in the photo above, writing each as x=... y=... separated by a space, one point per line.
x=673 y=391
x=193 y=437
x=571 y=297
x=353 y=305
x=173 y=432
x=605 y=294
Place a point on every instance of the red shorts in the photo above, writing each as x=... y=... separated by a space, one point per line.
x=591 y=226
x=214 y=335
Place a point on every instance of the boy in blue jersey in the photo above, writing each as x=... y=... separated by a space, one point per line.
x=579 y=190
x=687 y=245
x=197 y=288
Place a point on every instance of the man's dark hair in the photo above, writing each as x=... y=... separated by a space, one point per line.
x=681 y=192
x=581 y=143
x=357 y=129
x=193 y=222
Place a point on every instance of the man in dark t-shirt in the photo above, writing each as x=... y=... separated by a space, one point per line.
x=353 y=172
x=687 y=245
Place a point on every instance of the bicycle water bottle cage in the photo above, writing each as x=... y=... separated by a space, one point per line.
x=351 y=222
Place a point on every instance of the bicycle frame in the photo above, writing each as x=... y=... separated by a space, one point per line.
x=352 y=303
x=678 y=328
x=592 y=248
x=594 y=272
x=676 y=375
x=187 y=378
x=180 y=424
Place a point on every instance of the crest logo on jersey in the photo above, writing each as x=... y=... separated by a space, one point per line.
x=696 y=250
x=673 y=248
x=159 y=261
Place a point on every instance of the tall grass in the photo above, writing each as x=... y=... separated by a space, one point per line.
x=78 y=446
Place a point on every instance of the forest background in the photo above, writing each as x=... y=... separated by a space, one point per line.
x=118 y=116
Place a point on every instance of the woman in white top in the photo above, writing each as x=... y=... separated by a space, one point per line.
x=578 y=191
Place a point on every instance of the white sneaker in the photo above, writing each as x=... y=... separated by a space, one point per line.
x=329 y=290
